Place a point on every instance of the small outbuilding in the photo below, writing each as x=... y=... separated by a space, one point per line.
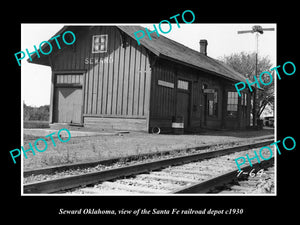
x=106 y=80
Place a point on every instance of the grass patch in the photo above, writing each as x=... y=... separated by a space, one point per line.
x=96 y=148
x=35 y=124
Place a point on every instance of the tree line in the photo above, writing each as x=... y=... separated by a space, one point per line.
x=35 y=113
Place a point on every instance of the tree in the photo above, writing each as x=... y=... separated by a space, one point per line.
x=244 y=63
x=26 y=111
x=35 y=113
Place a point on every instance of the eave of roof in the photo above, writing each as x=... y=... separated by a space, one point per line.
x=167 y=48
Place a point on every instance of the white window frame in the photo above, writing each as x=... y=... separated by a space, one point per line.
x=93 y=43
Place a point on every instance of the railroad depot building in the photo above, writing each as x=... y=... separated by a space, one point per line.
x=106 y=80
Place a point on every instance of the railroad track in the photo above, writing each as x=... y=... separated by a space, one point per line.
x=252 y=183
x=207 y=176
x=231 y=183
x=105 y=177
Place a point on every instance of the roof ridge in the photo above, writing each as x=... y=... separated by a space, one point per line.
x=230 y=72
x=173 y=50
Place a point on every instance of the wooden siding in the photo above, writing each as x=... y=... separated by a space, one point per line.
x=107 y=123
x=117 y=82
x=69 y=78
x=116 y=85
x=162 y=98
x=163 y=102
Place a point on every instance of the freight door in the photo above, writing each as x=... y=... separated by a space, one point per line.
x=183 y=101
x=68 y=102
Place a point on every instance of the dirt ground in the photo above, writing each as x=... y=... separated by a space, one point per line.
x=95 y=148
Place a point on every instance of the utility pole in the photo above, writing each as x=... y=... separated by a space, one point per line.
x=257 y=30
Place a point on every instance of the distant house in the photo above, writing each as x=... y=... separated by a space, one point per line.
x=106 y=80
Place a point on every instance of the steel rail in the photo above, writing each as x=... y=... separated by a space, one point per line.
x=56 y=185
x=208 y=185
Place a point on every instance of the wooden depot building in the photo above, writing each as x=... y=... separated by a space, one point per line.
x=106 y=80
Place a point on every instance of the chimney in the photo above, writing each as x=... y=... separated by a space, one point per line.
x=203 y=46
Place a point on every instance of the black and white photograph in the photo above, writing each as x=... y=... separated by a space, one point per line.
x=173 y=112
x=126 y=110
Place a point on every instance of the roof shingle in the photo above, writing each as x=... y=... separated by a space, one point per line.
x=163 y=46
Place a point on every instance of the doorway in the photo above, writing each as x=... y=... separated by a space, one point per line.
x=68 y=102
x=68 y=98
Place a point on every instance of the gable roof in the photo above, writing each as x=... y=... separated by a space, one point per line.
x=165 y=47
x=172 y=50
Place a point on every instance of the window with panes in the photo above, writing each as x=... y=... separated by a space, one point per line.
x=232 y=104
x=99 y=44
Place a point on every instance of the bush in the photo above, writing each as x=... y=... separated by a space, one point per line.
x=36 y=113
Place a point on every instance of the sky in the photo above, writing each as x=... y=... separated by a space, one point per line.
x=222 y=40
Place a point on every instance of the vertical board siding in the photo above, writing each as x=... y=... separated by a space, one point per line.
x=117 y=82
x=110 y=73
x=147 y=86
x=163 y=98
x=95 y=89
x=62 y=78
x=99 y=89
x=115 y=77
x=120 y=81
x=136 y=83
x=125 y=80
x=131 y=78
x=141 y=74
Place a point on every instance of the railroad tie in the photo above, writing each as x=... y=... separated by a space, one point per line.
x=136 y=189
x=167 y=177
x=91 y=190
x=147 y=183
x=251 y=183
x=241 y=188
x=184 y=171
